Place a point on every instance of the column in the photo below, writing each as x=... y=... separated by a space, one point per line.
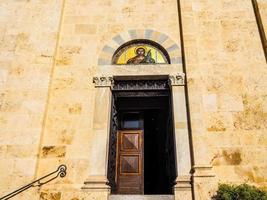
x=183 y=186
x=99 y=142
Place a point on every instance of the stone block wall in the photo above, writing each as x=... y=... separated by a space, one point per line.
x=87 y=26
x=226 y=72
x=49 y=53
x=28 y=35
x=263 y=11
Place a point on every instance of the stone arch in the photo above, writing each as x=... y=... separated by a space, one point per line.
x=173 y=49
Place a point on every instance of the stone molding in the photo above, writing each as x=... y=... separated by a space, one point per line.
x=177 y=79
x=203 y=171
x=103 y=81
x=183 y=182
x=183 y=187
x=96 y=183
x=107 y=81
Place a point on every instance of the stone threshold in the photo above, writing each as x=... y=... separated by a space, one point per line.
x=141 y=197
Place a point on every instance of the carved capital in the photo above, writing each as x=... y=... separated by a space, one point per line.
x=103 y=81
x=177 y=79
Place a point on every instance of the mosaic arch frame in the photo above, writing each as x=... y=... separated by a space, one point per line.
x=172 y=48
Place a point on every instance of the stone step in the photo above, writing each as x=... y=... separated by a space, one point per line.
x=141 y=197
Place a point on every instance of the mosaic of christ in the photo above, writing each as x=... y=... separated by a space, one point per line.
x=141 y=57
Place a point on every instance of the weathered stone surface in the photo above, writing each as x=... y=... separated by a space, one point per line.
x=226 y=93
x=53 y=151
x=263 y=8
x=48 y=113
x=27 y=45
x=50 y=196
x=227 y=157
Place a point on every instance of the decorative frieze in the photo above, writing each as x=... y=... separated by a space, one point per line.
x=103 y=81
x=108 y=81
x=177 y=79
x=136 y=85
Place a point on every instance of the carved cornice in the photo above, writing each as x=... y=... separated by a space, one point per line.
x=103 y=81
x=177 y=79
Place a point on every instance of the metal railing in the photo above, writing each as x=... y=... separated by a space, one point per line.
x=60 y=172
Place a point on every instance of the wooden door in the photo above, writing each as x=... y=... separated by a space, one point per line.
x=130 y=173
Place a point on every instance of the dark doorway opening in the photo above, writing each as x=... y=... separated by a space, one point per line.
x=158 y=179
x=151 y=112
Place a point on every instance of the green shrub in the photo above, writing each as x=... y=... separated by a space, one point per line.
x=240 y=192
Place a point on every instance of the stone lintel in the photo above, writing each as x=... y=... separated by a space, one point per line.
x=103 y=81
x=203 y=171
x=177 y=79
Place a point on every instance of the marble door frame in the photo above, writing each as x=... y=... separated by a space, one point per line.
x=97 y=178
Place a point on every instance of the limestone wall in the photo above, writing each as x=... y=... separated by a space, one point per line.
x=87 y=27
x=226 y=72
x=263 y=11
x=28 y=34
x=47 y=107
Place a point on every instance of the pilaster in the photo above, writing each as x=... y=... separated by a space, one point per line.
x=183 y=186
x=97 y=182
x=203 y=181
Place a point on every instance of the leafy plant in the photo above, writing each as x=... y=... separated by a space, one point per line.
x=240 y=192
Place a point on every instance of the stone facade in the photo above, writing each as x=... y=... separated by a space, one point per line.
x=263 y=8
x=53 y=113
x=28 y=40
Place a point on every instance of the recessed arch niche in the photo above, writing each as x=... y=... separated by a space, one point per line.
x=160 y=39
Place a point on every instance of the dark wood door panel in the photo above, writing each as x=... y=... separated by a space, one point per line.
x=128 y=185
x=130 y=176
x=130 y=164
x=130 y=141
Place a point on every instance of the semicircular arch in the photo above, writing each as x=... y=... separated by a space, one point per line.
x=172 y=48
